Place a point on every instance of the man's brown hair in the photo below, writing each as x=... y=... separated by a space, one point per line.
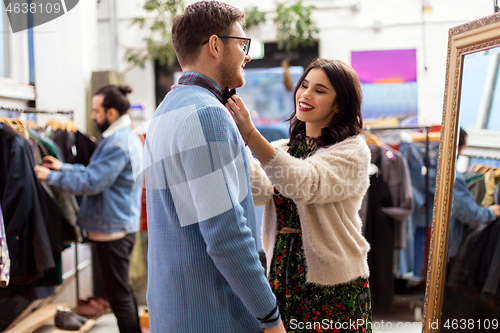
x=198 y=22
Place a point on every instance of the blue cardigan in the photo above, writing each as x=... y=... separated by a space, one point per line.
x=204 y=274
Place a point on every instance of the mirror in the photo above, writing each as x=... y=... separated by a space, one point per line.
x=456 y=300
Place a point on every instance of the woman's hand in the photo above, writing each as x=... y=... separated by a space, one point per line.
x=52 y=163
x=275 y=329
x=241 y=116
x=259 y=146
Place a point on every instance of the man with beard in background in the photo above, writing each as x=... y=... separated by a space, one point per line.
x=204 y=273
x=110 y=209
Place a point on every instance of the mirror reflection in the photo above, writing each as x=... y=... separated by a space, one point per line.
x=472 y=287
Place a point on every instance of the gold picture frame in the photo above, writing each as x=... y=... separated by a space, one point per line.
x=479 y=35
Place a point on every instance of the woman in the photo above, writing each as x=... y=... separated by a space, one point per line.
x=312 y=186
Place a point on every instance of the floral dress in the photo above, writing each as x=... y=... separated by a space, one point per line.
x=308 y=307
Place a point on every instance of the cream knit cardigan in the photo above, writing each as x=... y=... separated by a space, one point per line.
x=328 y=188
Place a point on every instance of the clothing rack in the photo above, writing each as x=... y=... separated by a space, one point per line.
x=70 y=113
x=497 y=158
x=426 y=162
x=33 y=110
x=416 y=303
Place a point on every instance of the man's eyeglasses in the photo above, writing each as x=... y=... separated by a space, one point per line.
x=245 y=44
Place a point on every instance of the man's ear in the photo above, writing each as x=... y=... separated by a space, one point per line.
x=112 y=114
x=214 y=46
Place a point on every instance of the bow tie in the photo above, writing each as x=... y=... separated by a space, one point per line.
x=227 y=93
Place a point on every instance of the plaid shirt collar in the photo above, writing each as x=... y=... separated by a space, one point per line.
x=197 y=79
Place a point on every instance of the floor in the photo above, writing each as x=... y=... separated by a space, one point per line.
x=401 y=320
x=104 y=324
x=405 y=318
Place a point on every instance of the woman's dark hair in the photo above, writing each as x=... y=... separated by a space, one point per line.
x=115 y=97
x=348 y=121
x=462 y=138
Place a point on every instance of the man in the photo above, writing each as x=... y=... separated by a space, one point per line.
x=204 y=273
x=110 y=208
x=465 y=211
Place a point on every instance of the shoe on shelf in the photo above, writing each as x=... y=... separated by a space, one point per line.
x=67 y=320
x=99 y=302
x=90 y=308
x=81 y=319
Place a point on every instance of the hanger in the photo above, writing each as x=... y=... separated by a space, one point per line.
x=18 y=125
x=54 y=124
x=32 y=124
x=481 y=168
x=373 y=139
x=70 y=126
x=478 y=168
x=433 y=136
x=496 y=174
x=7 y=121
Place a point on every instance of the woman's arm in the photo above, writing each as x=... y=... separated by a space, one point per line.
x=262 y=188
x=261 y=148
x=333 y=174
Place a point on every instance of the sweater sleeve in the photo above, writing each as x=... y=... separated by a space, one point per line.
x=332 y=174
x=262 y=188
x=220 y=198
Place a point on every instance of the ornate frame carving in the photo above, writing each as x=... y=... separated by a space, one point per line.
x=468 y=38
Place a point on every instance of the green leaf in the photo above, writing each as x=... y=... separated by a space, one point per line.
x=254 y=17
x=294 y=26
x=158 y=43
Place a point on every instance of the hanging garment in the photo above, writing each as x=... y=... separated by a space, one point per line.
x=77 y=148
x=396 y=175
x=393 y=176
x=477 y=187
x=471 y=264
x=62 y=206
x=379 y=232
x=415 y=154
x=496 y=196
x=53 y=149
x=491 y=286
x=29 y=245
x=490 y=184
x=4 y=255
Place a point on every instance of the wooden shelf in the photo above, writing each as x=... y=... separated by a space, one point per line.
x=85 y=328
x=36 y=319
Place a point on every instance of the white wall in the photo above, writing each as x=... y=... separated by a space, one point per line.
x=65 y=56
x=141 y=80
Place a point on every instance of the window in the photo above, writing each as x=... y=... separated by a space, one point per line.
x=266 y=96
x=480 y=98
x=4 y=46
